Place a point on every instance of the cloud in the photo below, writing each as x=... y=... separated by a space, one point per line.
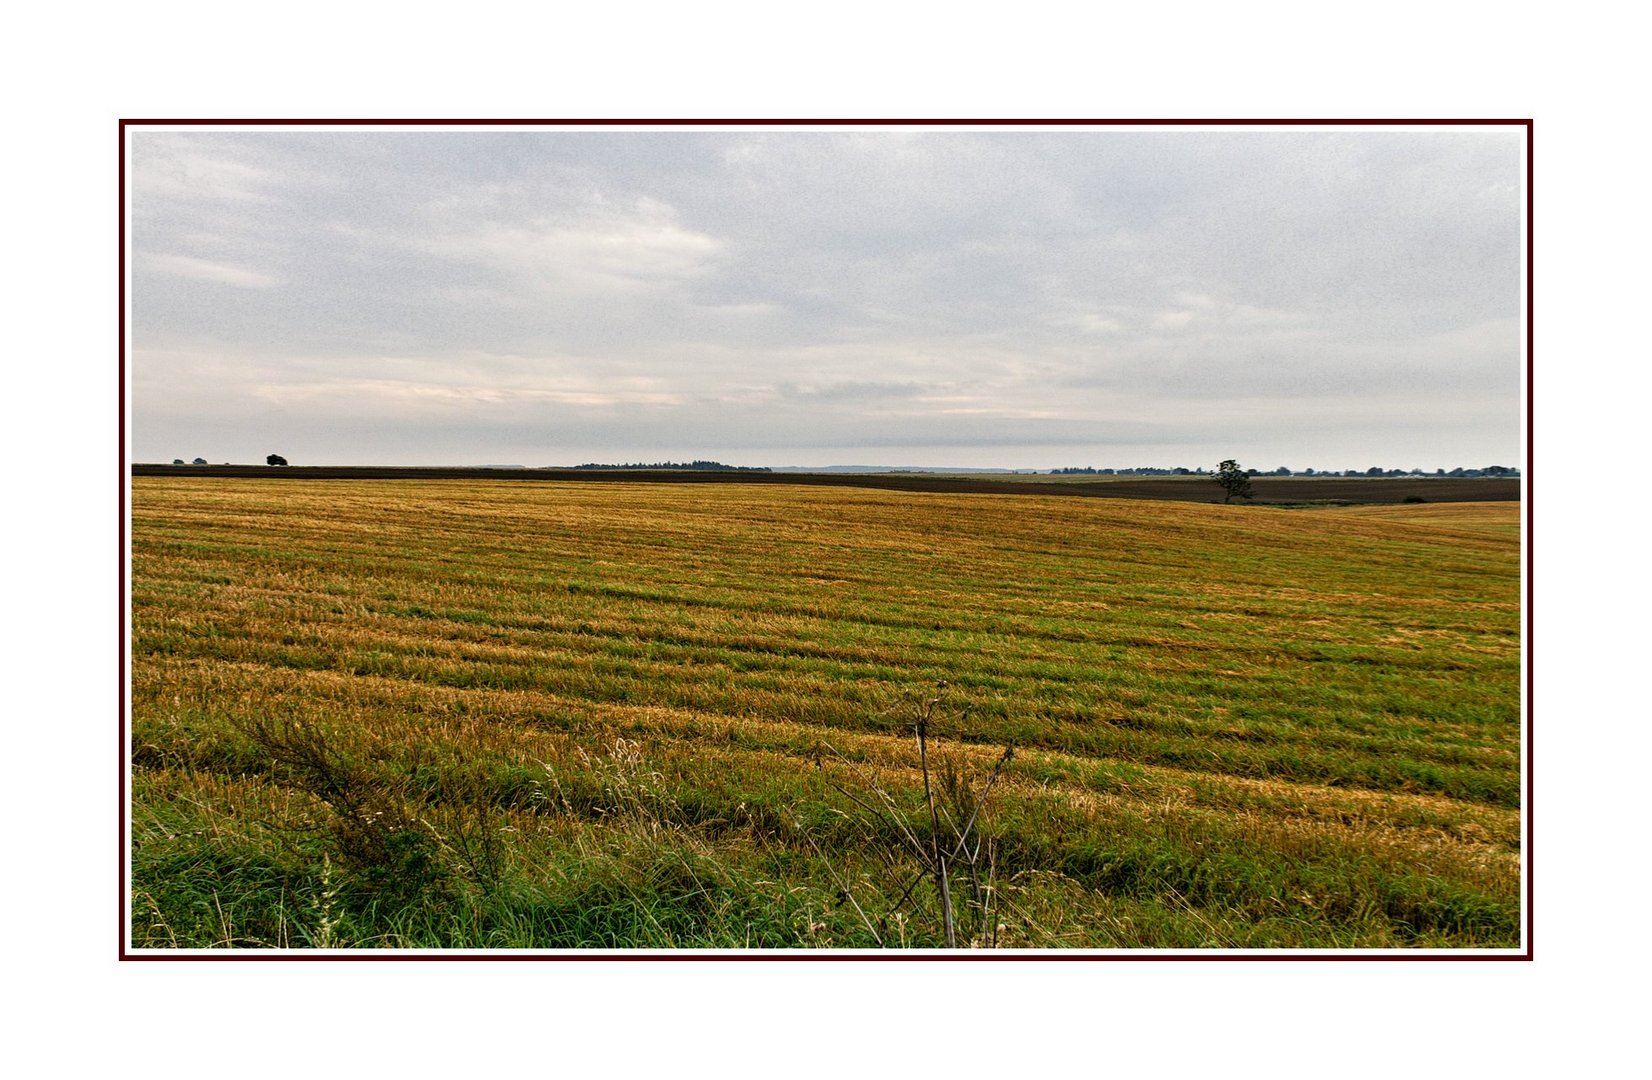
x=608 y=249
x=352 y=397
x=852 y=391
x=170 y=167
x=205 y=270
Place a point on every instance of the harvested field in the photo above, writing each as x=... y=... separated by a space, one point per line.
x=485 y=713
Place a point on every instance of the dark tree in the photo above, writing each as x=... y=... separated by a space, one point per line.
x=199 y=461
x=1233 y=480
x=177 y=461
x=275 y=459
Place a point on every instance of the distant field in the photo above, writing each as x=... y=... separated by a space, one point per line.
x=1268 y=489
x=483 y=713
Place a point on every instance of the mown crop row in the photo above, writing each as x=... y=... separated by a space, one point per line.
x=471 y=714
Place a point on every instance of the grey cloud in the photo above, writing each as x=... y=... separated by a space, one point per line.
x=997 y=289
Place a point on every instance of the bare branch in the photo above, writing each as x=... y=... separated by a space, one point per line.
x=935 y=834
x=1004 y=759
x=891 y=813
x=843 y=886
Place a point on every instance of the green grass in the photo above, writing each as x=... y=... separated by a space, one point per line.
x=589 y=715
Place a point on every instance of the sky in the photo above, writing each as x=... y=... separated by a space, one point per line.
x=1010 y=298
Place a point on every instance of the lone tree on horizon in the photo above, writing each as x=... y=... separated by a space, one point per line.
x=275 y=459
x=1233 y=479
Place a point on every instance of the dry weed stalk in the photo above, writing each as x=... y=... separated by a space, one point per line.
x=957 y=853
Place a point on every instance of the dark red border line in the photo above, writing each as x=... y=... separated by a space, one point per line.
x=125 y=479
x=123 y=483
x=1531 y=519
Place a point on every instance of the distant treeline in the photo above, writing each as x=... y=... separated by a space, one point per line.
x=1089 y=471
x=1375 y=470
x=700 y=466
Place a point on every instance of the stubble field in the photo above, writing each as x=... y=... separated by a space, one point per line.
x=504 y=714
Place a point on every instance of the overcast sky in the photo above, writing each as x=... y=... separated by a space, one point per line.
x=1005 y=298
